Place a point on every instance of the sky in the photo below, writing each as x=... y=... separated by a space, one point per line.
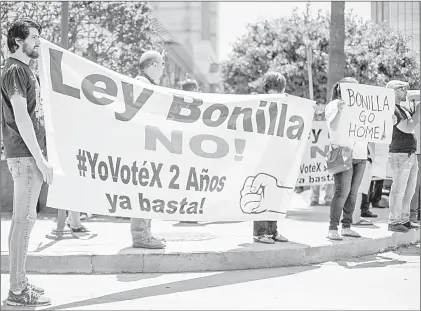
x=234 y=16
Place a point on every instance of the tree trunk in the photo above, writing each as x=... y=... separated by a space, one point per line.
x=336 y=69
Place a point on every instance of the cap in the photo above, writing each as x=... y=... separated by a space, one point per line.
x=394 y=84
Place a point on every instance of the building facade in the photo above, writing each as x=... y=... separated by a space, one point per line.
x=189 y=34
x=403 y=16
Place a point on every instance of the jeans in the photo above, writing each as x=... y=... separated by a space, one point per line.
x=415 y=202
x=27 y=183
x=315 y=193
x=404 y=181
x=265 y=228
x=140 y=229
x=347 y=184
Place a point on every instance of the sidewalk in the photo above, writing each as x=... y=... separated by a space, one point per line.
x=212 y=246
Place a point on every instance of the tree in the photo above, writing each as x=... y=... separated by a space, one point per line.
x=336 y=68
x=112 y=34
x=374 y=54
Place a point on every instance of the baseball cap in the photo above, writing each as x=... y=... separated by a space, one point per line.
x=394 y=84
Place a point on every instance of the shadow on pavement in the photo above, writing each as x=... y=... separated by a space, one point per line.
x=4 y=306
x=215 y=280
x=373 y=261
x=411 y=251
x=125 y=278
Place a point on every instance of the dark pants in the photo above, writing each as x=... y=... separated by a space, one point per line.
x=346 y=189
x=265 y=228
x=376 y=191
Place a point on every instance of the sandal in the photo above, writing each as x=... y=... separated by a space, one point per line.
x=363 y=222
x=78 y=230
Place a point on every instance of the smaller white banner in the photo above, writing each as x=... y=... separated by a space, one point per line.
x=313 y=170
x=367 y=113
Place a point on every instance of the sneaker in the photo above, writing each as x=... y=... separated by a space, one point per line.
x=279 y=238
x=368 y=214
x=328 y=203
x=350 y=233
x=263 y=239
x=314 y=203
x=334 y=235
x=27 y=298
x=36 y=289
x=411 y=225
x=397 y=228
x=151 y=243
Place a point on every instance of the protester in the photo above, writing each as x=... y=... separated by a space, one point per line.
x=190 y=85
x=267 y=231
x=375 y=193
x=415 y=202
x=74 y=223
x=319 y=115
x=363 y=191
x=366 y=185
x=403 y=160
x=24 y=143
x=347 y=182
x=151 y=67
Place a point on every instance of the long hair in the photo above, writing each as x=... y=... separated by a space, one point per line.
x=336 y=91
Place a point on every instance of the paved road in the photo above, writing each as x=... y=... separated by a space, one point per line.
x=385 y=281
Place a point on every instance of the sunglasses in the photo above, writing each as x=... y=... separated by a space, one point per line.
x=403 y=88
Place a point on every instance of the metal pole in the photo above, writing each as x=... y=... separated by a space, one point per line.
x=310 y=72
x=65 y=25
x=60 y=232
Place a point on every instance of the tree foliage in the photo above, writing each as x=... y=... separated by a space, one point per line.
x=112 y=34
x=374 y=54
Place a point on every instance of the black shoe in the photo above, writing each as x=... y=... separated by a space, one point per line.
x=398 y=228
x=377 y=205
x=368 y=214
x=411 y=225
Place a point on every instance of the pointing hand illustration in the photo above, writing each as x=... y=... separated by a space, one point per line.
x=262 y=193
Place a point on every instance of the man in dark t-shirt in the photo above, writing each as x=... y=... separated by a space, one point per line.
x=403 y=160
x=24 y=144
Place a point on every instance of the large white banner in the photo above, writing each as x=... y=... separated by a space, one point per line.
x=313 y=170
x=367 y=115
x=126 y=148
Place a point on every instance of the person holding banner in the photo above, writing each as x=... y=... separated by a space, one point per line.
x=347 y=181
x=151 y=69
x=267 y=231
x=25 y=146
x=415 y=203
x=403 y=160
x=319 y=115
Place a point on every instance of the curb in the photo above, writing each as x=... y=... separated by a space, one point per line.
x=159 y=261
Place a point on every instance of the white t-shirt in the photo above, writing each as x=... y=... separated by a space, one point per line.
x=359 y=147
